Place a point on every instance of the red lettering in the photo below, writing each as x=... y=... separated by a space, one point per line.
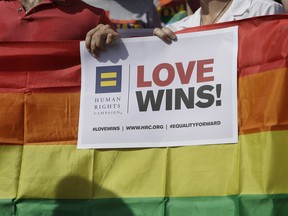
x=140 y=78
x=201 y=70
x=170 y=75
x=185 y=77
x=204 y=67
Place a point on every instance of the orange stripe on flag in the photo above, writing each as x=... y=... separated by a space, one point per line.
x=263 y=102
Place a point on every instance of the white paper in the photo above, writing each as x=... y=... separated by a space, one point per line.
x=161 y=95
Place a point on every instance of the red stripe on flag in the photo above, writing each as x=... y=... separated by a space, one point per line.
x=263 y=42
x=40 y=66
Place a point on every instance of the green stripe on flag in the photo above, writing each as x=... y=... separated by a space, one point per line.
x=243 y=205
x=6 y=207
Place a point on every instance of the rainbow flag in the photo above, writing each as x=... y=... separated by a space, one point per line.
x=42 y=173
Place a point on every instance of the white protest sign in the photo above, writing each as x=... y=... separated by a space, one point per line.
x=145 y=93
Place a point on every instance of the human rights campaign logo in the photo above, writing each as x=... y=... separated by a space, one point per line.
x=108 y=79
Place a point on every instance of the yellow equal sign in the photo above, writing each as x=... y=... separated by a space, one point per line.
x=108 y=75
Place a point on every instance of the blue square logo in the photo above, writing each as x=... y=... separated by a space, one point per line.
x=108 y=79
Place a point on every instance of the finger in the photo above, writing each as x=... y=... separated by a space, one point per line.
x=104 y=36
x=97 y=45
x=162 y=35
x=98 y=38
x=170 y=33
x=88 y=39
x=111 y=38
x=89 y=42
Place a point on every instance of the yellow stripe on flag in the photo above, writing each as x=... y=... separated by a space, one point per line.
x=108 y=75
x=10 y=165
x=108 y=83
x=102 y=170
x=264 y=162
x=253 y=166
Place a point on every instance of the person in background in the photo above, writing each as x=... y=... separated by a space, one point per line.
x=51 y=20
x=130 y=14
x=285 y=5
x=215 y=11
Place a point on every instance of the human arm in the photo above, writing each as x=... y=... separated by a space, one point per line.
x=98 y=38
x=165 y=34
